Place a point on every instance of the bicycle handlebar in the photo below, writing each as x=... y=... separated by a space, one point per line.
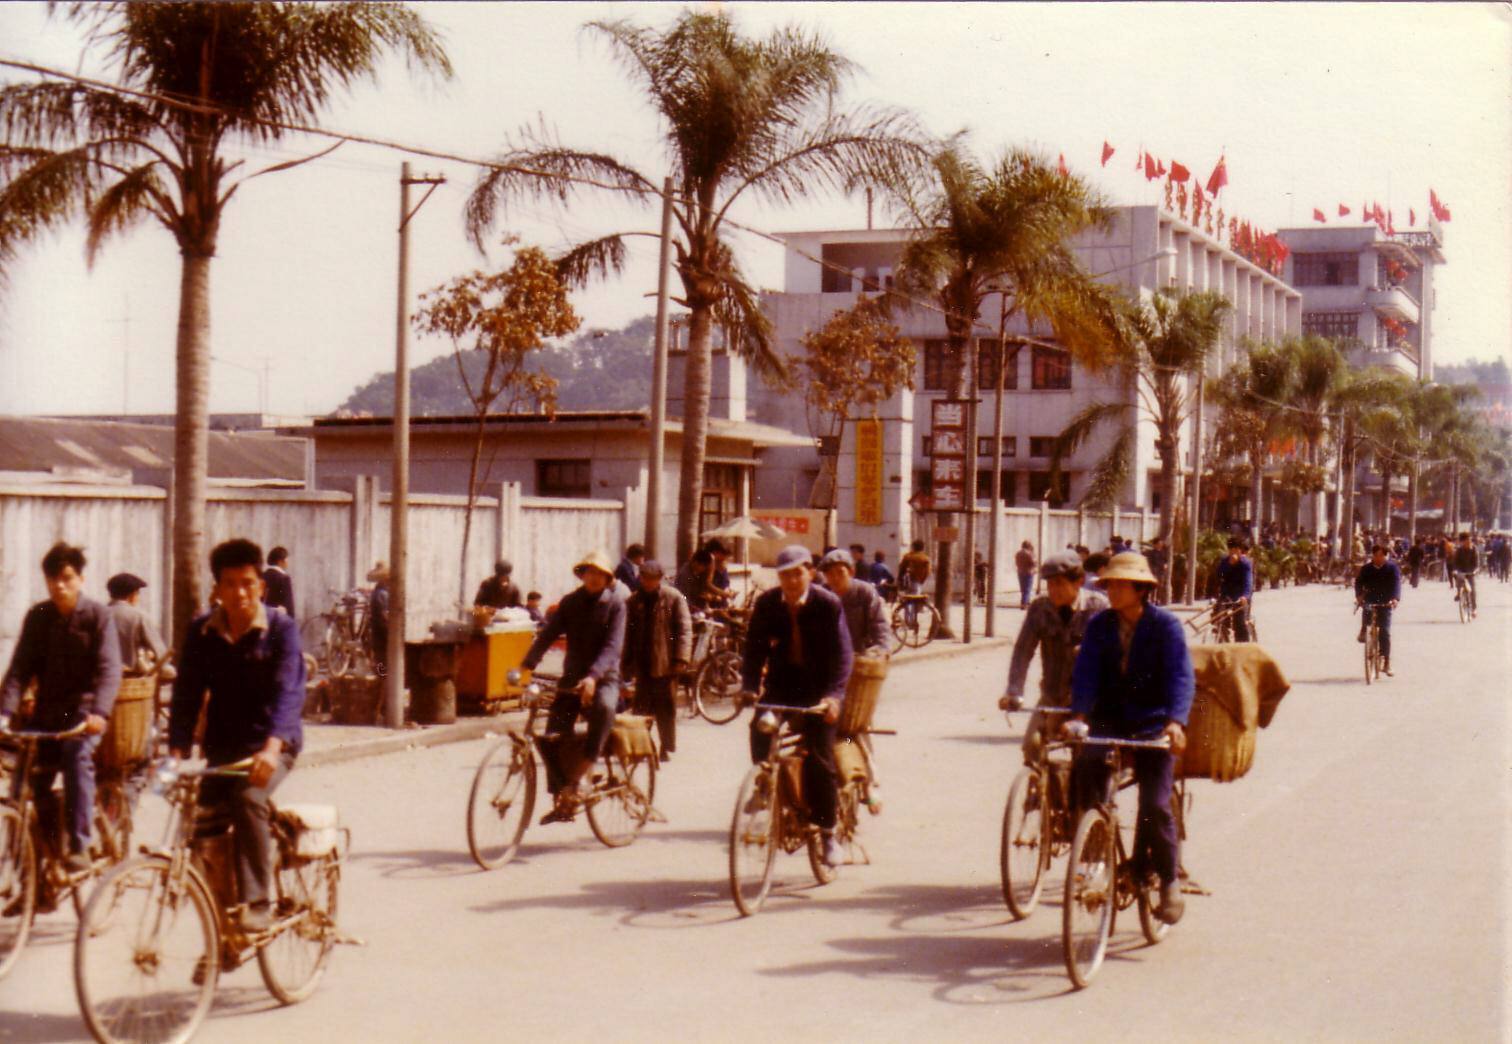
x=783 y=708
x=1109 y=741
x=73 y=733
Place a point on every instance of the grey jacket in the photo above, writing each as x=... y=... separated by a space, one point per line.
x=865 y=616
x=141 y=648
x=652 y=647
x=1058 y=640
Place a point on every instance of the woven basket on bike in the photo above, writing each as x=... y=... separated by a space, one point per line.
x=861 y=694
x=850 y=762
x=631 y=737
x=1238 y=690
x=130 y=728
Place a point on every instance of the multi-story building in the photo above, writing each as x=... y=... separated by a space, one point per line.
x=1145 y=249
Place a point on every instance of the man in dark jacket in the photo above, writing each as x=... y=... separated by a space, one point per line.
x=593 y=620
x=246 y=659
x=498 y=591
x=68 y=646
x=1415 y=560
x=628 y=570
x=1236 y=584
x=1466 y=563
x=658 y=646
x=278 y=582
x=799 y=638
x=1379 y=587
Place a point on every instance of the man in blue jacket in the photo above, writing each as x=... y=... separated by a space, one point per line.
x=798 y=636
x=1133 y=680
x=246 y=658
x=1236 y=583
x=1379 y=586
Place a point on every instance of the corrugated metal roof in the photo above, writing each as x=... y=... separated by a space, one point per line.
x=45 y=443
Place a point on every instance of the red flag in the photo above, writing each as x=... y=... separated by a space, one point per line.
x=1149 y=168
x=1440 y=211
x=1178 y=172
x=1318 y=216
x=1107 y=152
x=1343 y=210
x=1160 y=168
x=1411 y=217
x=1218 y=178
x=1062 y=165
x=1390 y=224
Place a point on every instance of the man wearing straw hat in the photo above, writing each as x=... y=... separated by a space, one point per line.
x=593 y=620
x=1133 y=680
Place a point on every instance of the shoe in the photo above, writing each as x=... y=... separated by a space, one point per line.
x=562 y=811
x=77 y=863
x=1360 y=637
x=757 y=800
x=1386 y=668
x=1172 y=906
x=256 y=918
x=830 y=853
x=666 y=756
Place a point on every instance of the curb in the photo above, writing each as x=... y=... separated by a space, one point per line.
x=409 y=739
x=951 y=648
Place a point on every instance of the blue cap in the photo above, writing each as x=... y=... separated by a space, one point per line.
x=793 y=555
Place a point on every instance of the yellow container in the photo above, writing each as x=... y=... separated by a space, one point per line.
x=487 y=660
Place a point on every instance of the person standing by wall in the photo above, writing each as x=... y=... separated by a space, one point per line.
x=498 y=591
x=280 y=586
x=628 y=570
x=1023 y=562
x=658 y=646
x=142 y=648
x=378 y=617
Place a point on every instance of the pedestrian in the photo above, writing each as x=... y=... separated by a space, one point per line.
x=1093 y=564
x=863 y=569
x=592 y=618
x=142 y=648
x=1415 y=560
x=69 y=648
x=246 y=660
x=533 y=607
x=719 y=552
x=628 y=570
x=378 y=617
x=882 y=578
x=658 y=648
x=1159 y=558
x=696 y=581
x=279 y=586
x=864 y=616
x=498 y=591
x=1023 y=562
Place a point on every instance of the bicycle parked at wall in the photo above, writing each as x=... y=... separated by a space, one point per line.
x=160 y=928
x=338 y=638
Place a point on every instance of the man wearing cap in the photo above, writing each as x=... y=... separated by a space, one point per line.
x=1133 y=680
x=593 y=620
x=142 y=649
x=865 y=617
x=658 y=646
x=1055 y=624
x=498 y=591
x=799 y=638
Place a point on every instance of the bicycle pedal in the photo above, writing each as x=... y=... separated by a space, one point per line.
x=653 y=816
x=1191 y=887
x=344 y=939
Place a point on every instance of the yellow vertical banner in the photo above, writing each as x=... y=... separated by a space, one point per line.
x=869 y=472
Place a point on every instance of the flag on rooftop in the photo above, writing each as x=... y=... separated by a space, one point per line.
x=1062 y=166
x=1343 y=210
x=1178 y=172
x=1318 y=216
x=1107 y=152
x=1218 y=178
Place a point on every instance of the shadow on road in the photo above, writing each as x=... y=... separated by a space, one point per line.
x=1353 y=679
x=992 y=739
x=27 y=1028
x=419 y=863
x=642 y=903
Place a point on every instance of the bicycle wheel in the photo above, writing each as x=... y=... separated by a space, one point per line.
x=753 y=840
x=1153 y=927
x=499 y=806
x=1023 y=855
x=1087 y=913
x=113 y=821
x=18 y=886
x=916 y=628
x=1370 y=653
x=142 y=943
x=717 y=690
x=338 y=650
x=620 y=809
x=293 y=962
x=314 y=638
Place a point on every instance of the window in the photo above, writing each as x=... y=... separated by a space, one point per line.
x=984 y=486
x=1325 y=269
x=936 y=367
x=928 y=445
x=721 y=495
x=1041 y=445
x=563 y=478
x=1331 y=324
x=1052 y=369
x=1039 y=488
x=987 y=357
x=984 y=446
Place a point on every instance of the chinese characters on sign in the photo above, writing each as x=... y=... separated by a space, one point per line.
x=947 y=471
x=869 y=472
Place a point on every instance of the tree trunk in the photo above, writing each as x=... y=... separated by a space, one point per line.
x=191 y=443
x=1451 y=509
x=695 y=435
x=1347 y=509
x=467 y=515
x=1166 y=447
x=1257 y=492
x=1412 y=502
x=1385 y=519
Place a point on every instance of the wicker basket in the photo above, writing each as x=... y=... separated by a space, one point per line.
x=355 y=700
x=631 y=737
x=861 y=694
x=1239 y=687
x=130 y=729
x=1218 y=747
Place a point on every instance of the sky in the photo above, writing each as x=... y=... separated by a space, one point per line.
x=1312 y=104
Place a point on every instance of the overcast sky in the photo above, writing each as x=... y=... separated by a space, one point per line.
x=1315 y=105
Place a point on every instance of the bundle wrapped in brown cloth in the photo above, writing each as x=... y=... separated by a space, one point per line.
x=1239 y=688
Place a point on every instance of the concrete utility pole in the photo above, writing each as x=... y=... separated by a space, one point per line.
x=659 y=379
x=997 y=467
x=1193 y=527
x=393 y=680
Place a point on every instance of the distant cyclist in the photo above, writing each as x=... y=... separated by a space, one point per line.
x=1236 y=585
x=1466 y=563
x=1378 y=588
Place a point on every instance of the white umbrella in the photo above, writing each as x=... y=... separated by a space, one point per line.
x=747 y=528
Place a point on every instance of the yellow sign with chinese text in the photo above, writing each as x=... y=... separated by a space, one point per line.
x=869 y=472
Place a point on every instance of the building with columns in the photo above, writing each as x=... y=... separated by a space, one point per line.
x=1145 y=249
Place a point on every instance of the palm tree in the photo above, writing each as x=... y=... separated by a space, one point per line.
x=1164 y=345
x=1357 y=398
x=192 y=77
x=1003 y=230
x=741 y=117
x=1317 y=367
x=1250 y=418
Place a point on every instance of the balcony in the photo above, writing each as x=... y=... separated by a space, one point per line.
x=1393 y=302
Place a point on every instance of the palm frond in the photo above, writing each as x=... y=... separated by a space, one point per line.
x=1110 y=475
x=748 y=329
x=44 y=195
x=596 y=258
x=1080 y=428
x=136 y=195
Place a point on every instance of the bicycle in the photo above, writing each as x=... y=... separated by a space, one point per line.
x=1375 y=659
x=915 y=621
x=770 y=812
x=34 y=876
x=167 y=922
x=1037 y=821
x=503 y=794
x=1464 y=597
x=1226 y=614
x=1099 y=879
x=338 y=638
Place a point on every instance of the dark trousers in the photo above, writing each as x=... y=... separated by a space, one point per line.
x=1240 y=619
x=653 y=696
x=1383 y=615
x=251 y=825
x=1026 y=588
x=1156 y=845
x=821 y=787
x=75 y=759
x=563 y=716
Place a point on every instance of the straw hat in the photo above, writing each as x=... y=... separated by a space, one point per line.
x=1127 y=565
x=595 y=559
x=379 y=572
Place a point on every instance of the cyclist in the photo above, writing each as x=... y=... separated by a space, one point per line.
x=1133 y=680
x=1466 y=563
x=593 y=619
x=1055 y=624
x=68 y=645
x=864 y=615
x=799 y=638
x=245 y=656
x=1378 y=588
x=1236 y=585
x=1415 y=560
x=913 y=572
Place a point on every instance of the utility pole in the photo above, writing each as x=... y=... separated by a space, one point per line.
x=659 y=378
x=1193 y=527
x=393 y=680
x=997 y=467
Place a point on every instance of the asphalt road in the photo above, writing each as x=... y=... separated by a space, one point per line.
x=1358 y=880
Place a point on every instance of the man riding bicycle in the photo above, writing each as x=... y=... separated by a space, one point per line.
x=1133 y=679
x=1466 y=563
x=864 y=616
x=1236 y=585
x=593 y=619
x=798 y=636
x=1378 y=588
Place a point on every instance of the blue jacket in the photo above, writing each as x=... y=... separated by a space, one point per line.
x=595 y=630
x=1157 y=688
x=1236 y=580
x=1377 y=586
x=826 y=642
x=280 y=590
